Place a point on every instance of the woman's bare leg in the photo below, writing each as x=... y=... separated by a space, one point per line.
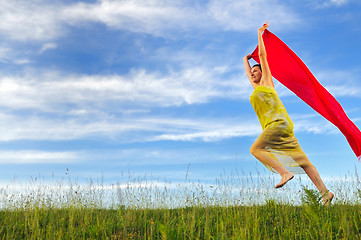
x=315 y=177
x=264 y=156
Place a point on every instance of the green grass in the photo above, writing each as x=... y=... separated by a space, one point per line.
x=142 y=210
x=268 y=221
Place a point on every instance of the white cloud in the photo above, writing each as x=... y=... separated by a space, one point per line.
x=344 y=91
x=22 y=61
x=16 y=127
x=206 y=129
x=153 y=17
x=7 y=55
x=25 y=20
x=164 y=18
x=213 y=133
x=316 y=127
x=329 y=3
x=247 y=15
x=51 y=91
x=340 y=83
x=135 y=129
x=339 y=2
x=31 y=157
x=48 y=46
x=41 y=20
x=157 y=156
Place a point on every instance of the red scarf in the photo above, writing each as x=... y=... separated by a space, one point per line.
x=289 y=70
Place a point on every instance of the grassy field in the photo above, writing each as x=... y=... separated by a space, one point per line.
x=269 y=221
x=143 y=211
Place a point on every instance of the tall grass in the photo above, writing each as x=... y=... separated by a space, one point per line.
x=239 y=206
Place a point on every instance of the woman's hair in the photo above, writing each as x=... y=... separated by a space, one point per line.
x=257 y=65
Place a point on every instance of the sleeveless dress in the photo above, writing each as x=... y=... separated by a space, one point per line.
x=277 y=136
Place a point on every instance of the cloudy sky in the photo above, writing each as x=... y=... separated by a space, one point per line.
x=107 y=88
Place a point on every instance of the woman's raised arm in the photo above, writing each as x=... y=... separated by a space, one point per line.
x=247 y=66
x=266 y=79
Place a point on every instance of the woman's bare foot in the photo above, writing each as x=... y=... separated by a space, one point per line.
x=327 y=198
x=285 y=178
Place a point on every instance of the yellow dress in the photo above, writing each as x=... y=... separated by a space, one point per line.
x=277 y=136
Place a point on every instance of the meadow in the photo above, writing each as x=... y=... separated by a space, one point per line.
x=239 y=206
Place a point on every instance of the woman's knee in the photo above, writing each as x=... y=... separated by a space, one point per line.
x=255 y=148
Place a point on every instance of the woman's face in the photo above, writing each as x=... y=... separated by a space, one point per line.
x=256 y=74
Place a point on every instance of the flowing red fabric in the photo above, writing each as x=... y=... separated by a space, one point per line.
x=289 y=70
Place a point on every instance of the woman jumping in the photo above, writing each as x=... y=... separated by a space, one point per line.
x=277 y=147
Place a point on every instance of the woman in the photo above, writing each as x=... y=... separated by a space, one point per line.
x=277 y=148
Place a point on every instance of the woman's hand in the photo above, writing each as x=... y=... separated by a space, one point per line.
x=264 y=27
x=248 y=57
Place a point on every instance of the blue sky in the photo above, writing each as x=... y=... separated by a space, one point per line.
x=157 y=88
